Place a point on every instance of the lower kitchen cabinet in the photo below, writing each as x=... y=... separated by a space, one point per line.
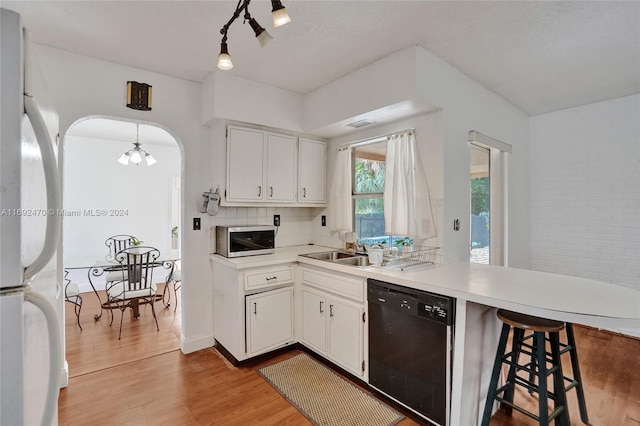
x=334 y=328
x=269 y=320
x=252 y=308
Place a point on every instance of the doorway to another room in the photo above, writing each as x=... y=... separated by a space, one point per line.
x=120 y=178
x=488 y=159
x=480 y=205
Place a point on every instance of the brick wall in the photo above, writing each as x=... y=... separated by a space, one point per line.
x=585 y=191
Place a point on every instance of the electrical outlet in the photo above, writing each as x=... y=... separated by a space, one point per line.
x=323 y=220
x=196 y=223
x=276 y=220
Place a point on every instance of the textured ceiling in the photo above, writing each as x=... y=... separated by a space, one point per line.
x=541 y=55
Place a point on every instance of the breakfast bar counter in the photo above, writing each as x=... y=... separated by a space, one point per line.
x=479 y=290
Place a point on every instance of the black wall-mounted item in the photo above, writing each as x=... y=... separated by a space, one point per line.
x=139 y=96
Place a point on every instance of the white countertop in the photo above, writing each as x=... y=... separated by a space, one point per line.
x=548 y=295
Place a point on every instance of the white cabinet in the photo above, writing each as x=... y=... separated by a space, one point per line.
x=245 y=163
x=252 y=308
x=314 y=322
x=270 y=168
x=345 y=334
x=261 y=166
x=332 y=325
x=312 y=157
x=269 y=320
x=281 y=170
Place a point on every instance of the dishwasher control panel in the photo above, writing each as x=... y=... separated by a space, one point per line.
x=422 y=304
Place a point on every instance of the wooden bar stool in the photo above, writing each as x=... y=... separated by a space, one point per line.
x=546 y=363
x=576 y=380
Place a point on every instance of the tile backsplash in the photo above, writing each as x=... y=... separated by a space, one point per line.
x=298 y=225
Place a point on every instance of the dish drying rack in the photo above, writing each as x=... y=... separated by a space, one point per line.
x=403 y=260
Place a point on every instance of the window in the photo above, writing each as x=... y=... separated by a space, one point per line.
x=368 y=188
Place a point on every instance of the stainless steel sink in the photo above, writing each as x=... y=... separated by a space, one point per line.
x=357 y=260
x=340 y=257
x=331 y=255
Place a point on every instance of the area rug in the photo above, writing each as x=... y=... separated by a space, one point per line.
x=324 y=397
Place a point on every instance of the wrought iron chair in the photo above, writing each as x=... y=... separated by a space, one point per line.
x=72 y=295
x=116 y=244
x=135 y=286
x=174 y=279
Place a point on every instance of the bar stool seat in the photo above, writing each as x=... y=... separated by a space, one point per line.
x=540 y=366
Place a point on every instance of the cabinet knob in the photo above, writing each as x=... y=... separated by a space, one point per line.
x=255 y=308
x=331 y=310
x=260 y=191
x=304 y=192
x=271 y=191
x=321 y=310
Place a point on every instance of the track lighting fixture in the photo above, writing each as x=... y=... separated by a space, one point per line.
x=280 y=17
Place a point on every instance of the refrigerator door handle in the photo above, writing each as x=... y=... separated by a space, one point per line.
x=52 y=181
x=53 y=387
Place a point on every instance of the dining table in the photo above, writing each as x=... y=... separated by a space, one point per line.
x=102 y=267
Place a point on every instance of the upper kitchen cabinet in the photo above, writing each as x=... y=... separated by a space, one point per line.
x=312 y=157
x=281 y=168
x=269 y=168
x=245 y=165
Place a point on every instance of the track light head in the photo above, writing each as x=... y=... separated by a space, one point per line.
x=280 y=17
x=261 y=34
x=279 y=12
x=224 y=59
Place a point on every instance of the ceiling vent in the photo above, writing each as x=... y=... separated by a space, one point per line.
x=360 y=123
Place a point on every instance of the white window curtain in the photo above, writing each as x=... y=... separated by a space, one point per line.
x=407 y=204
x=340 y=203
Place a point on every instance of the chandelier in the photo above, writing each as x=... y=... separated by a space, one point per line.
x=280 y=17
x=137 y=155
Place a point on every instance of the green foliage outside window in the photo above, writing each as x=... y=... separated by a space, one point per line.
x=479 y=195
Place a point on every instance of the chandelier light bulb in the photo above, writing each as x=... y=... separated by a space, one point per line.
x=124 y=159
x=136 y=158
x=150 y=160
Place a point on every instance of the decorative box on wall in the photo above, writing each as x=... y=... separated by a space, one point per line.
x=266 y=168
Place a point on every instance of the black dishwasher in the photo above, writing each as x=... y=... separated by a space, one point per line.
x=410 y=344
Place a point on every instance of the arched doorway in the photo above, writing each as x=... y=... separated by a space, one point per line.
x=102 y=198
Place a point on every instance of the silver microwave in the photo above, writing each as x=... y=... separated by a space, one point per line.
x=237 y=241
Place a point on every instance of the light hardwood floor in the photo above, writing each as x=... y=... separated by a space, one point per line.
x=144 y=379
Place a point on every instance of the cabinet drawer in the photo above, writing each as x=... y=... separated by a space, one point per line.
x=352 y=288
x=268 y=277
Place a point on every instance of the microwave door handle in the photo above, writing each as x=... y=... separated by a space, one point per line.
x=52 y=182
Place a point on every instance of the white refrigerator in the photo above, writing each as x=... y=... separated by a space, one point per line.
x=30 y=296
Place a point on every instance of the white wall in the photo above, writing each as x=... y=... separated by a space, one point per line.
x=137 y=199
x=466 y=105
x=585 y=191
x=81 y=86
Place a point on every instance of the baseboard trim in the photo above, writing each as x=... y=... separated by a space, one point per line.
x=64 y=375
x=188 y=346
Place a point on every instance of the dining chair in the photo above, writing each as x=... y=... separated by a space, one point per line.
x=116 y=244
x=136 y=285
x=174 y=279
x=72 y=295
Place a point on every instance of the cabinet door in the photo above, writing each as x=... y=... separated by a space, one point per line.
x=245 y=168
x=314 y=326
x=269 y=317
x=311 y=171
x=346 y=335
x=281 y=168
